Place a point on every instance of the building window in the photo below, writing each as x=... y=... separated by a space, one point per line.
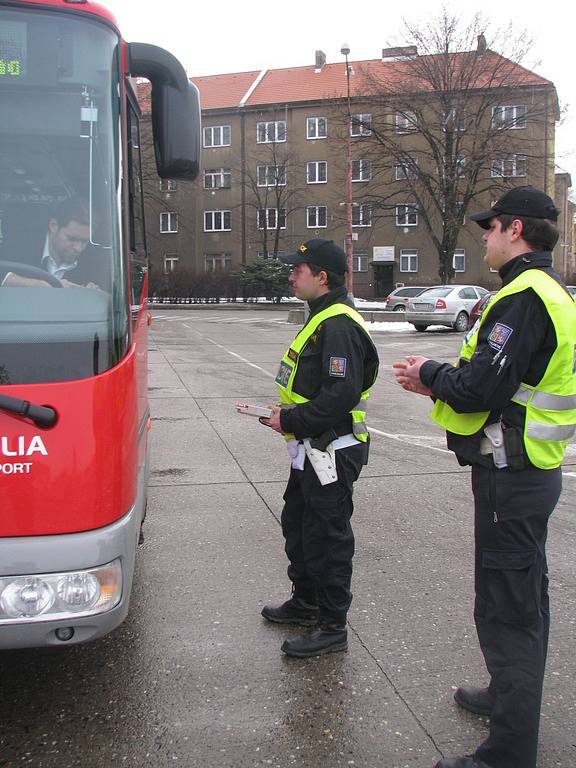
x=407 y=169
x=217 y=221
x=406 y=122
x=361 y=125
x=359 y=261
x=509 y=117
x=217 y=136
x=316 y=127
x=459 y=260
x=170 y=263
x=316 y=216
x=512 y=165
x=168 y=222
x=408 y=260
x=272 y=132
x=272 y=218
x=454 y=120
x=362 y=215
x=317 y=172
x=271 y=255
x=460 y=166
x=217 y=178
x=168 y=185
x=217 y=262
x=271 y=175
x=361 y=170
x=406 y=216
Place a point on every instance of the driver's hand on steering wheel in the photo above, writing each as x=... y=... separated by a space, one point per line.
x=19 y=281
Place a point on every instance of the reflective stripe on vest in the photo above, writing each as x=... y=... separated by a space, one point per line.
x=289 y=365
x=550 y=419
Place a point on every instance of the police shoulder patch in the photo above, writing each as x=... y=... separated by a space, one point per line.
x=499 y=335
x=338 y=366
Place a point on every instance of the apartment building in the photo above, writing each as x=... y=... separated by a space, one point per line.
x=275 y=163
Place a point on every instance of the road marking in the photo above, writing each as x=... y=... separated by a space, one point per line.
x=234 y=354
x=422 y=441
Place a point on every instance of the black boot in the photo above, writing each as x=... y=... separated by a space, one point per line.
x=477 y=700
x=321 y=639
x=293 y=611
x=461 y=762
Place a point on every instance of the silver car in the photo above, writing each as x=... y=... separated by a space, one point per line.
x=444 y=305
x=399 y=298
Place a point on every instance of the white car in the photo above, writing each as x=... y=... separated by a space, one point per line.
x=444 y=305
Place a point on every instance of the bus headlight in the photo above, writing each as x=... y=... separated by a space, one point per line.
x=47 y=596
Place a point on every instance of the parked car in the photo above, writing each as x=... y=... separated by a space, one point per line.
x=398 y=299
x=479 y=307
x=444 y=305
x=572 y=289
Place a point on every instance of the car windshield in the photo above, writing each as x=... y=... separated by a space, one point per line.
x=59 y=192
x=431 y=292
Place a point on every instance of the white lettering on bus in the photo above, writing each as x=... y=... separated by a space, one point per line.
x=16 y=469
x=20 y=447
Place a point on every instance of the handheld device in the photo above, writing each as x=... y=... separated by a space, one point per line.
x=254 y=410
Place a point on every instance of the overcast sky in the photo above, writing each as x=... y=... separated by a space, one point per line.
x=238 y=35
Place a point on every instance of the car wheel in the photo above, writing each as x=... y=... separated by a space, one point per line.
x=461 y=322
x=420 y=327
x=399 y=308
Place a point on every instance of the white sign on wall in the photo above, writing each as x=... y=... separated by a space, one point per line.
x=383 y=253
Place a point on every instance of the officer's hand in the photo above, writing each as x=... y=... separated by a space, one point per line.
x=274 y=420
x=408 y=374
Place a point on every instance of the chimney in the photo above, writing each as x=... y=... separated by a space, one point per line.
x=481 y=48
x=400 y=53
x=320 y=61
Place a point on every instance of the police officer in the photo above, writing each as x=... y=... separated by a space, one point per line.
x=509 y=408
x=323 y=381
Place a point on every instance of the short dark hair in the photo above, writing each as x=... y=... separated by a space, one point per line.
x=540 y=234
x=334 y=279
x=71 y=209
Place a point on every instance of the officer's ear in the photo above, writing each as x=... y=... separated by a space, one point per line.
x=323 y=277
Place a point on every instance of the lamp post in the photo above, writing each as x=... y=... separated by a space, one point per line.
x=345 y=50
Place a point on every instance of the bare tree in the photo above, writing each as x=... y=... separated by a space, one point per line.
x=443 y=126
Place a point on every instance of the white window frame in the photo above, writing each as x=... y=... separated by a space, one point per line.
x=459 y=253
x=168 y=222
x=455 y=116
x=313 y=212
x=360 y=261
x=313 y=127
x=406 y=171
x=168 y=185
x=361 y=170
x=409 y=260
x=406 y=122
x=516 y=164
x=516 y=121
x=359 y=123
x=212 y=259
x=362 y=215
x=273 y=218
x=271 y=175
x=219 y=175
x=407 y=215
x=218 y=220
x=222 y=140
x=313 y=170
x=267 y=132
x=170 y=262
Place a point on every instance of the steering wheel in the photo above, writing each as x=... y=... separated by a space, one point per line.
x=26 y=270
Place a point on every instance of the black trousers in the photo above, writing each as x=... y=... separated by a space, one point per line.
x=318 y=534
x=511 y=608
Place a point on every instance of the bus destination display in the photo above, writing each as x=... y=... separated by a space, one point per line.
x=12 y=50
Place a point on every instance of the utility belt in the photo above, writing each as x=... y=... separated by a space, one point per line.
x=321 y=455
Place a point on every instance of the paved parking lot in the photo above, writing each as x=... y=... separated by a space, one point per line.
x=195 y=677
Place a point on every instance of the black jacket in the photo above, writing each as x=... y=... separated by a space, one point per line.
x=319 y=375
x=487 y=381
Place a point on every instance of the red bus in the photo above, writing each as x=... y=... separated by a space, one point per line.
x=74 y=415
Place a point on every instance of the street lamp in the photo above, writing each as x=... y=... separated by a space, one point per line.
x=345 y=50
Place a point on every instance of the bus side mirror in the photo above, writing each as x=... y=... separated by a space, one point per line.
x=175 y=110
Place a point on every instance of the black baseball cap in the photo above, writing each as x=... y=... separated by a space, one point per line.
x=323 y=253
x=520 y=201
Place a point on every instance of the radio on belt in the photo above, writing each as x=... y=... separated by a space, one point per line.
x=254 y=410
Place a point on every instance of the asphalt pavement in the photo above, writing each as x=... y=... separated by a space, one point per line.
x=195 y=676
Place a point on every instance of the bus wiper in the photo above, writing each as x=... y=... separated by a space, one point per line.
x=41 y=415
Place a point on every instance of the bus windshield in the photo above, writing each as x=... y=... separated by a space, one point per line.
x=63 y=298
